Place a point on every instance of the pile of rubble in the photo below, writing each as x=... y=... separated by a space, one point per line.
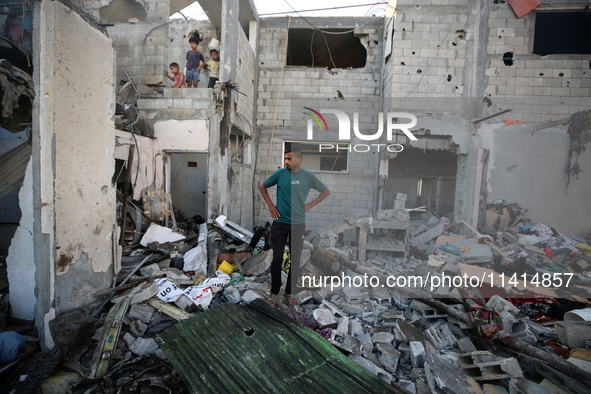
x=419 y=337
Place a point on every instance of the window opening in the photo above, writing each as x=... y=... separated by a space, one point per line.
x=313 y=48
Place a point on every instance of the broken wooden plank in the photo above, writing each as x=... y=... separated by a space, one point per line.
x=168 y=309
x=490 y=244
x=491 y=116
x=127 y=286
x=547 y=125
x=239 y=263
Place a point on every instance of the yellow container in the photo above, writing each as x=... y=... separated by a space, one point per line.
x=226 y=267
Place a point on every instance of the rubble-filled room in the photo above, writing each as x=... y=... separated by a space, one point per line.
x=424 y=163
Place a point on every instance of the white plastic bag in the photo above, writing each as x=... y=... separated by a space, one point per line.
x=217 y=284
x=200 y=295
x=196 y=260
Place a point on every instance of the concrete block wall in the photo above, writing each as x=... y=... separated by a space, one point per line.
x=536 y=88
x=429 y=59
x=157 y=11
x=241 y=174
x=428 y=54
x=240 y=198
x=135 y=57
x=128 y=41
x=73 y=139
x=245 y=77
x=177 y=104
x=318 y=88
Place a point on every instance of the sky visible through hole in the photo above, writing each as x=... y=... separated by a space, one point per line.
x=369 y=8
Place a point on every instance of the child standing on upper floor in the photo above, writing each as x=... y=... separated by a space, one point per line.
x=213 y=66
x=195 y=63
x=178 y=77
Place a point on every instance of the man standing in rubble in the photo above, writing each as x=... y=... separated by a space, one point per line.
x=293 y=184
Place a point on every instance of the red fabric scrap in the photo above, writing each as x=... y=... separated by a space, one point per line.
x=561 y=349
x=522 y=7
x=548 y=252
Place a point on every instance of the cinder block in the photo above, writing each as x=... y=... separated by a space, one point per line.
x=179 y=103
x=484 y=366
x=372 y=368
x=388 y=357
x=494 y=389
x=163 y=103
x=436 y=338
x=173 y=93
x=146 y=103
x=573 y=334
x=417 y=354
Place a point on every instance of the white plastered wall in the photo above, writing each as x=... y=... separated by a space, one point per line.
x=179 y=135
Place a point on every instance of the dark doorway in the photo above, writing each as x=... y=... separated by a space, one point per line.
x=427 y=177
x=188 y=183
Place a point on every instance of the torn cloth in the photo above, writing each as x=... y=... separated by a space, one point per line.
x=487 y=322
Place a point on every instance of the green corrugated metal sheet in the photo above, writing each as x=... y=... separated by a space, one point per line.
x=234 y=349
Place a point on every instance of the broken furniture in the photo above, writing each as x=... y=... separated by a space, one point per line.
x=395 y=241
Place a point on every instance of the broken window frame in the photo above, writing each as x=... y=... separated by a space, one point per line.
x=312 y=148
x=321 y=43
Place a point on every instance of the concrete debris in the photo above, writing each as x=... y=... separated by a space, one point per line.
x=345 y=342
x=371 y=368
x=484 y=366
x=388 y=357
x=417 y=354
x=143 y=346
x=325 y=318
x=494 y=389
x=430 y=234
x=368 y=353
x=382 y=337
x=476 y=253
x=444 y=377
x=356 y=327
x=436 y=338
x=465 y=345
x=573 y=333
x=395 y=332
x=251 y=295
x=406 y=332
x=343 y=325
x=522 y=331
x=258 y=264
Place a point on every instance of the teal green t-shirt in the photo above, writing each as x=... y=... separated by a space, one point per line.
x=292 y=191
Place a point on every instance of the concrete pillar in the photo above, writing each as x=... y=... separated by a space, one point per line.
x=229 y=40
x=475 y=62
x=73 y=141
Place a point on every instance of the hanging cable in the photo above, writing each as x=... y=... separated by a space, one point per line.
x=328 y=49
x=325 y=31
x=324 y=9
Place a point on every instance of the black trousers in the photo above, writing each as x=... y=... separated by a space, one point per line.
x=279 y=233
x=211 y=83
